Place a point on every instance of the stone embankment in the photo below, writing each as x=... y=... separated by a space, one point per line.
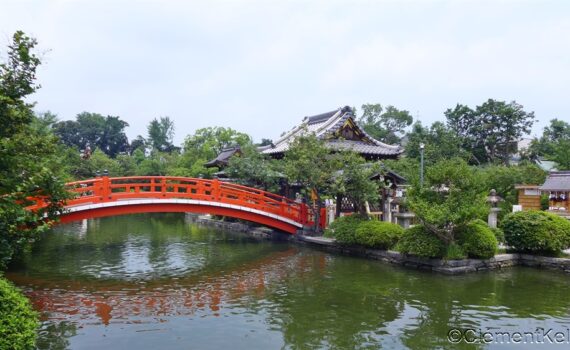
x=449 y=267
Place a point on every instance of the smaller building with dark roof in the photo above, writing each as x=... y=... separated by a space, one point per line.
x=222 y=160
x=557 y=186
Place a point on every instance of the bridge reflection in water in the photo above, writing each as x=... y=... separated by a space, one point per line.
x=154 y=281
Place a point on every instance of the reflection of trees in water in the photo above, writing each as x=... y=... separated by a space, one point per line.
x=55 y=336
x=313 y=298
x=341 y=309
x=138 y=247
x=356 y=305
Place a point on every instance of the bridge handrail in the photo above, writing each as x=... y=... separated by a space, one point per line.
x=110 y=189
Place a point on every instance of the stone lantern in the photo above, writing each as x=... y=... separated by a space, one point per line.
x=493 y=200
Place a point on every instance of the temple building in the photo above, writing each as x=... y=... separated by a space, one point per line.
x=340 y=131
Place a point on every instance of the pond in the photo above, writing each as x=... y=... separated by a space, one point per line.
x=158 y=281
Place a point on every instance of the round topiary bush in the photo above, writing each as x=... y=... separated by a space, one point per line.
x=478 y=240
x=418 y=241
x=378 y=234
x=536 y=231
x=18 y=321
x=343 y=229
x=499 y=234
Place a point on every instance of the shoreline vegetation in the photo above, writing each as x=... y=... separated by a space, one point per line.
x=466 y=155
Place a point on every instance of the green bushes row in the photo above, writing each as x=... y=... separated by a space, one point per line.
x=18 y=321
x=536 y=232
x=353 y=230
x=475 y=240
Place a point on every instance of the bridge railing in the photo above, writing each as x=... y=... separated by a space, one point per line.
x=110 y=189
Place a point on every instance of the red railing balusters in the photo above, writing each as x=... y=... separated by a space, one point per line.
x=106 y=189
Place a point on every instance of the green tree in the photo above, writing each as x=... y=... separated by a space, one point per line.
x=354 y=180
x=553 y=144
x=504 y=178
x=43 y=123
x=490 y=131
x=453 y=195
x=386 y=125
x=161 y=134
x=106 y=133
x=205 y=144
x=254 y=169
x=25 y=154
x=138 y=143
x=308 y=162
x=440 y=143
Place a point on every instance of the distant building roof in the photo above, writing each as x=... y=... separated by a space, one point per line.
x=224 y=157
x=340 y=131
x=557 y=181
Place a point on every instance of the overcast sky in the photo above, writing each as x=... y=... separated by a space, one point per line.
x=261 y=66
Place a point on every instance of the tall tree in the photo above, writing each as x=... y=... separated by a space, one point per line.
x=138 y=143
x=386 y=125
x=354 y=180
x=206 y=143
x=161 y=134
x=255 y=169
x=553 y=144
x=25 y=154
x=491 y=131
x=440 y=142
x=308 y=163
x=453 y=195
x=93 y=129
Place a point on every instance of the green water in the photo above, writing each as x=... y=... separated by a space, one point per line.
x=159 y=282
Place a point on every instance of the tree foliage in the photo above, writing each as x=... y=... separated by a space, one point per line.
x=354 y=180
x=252 y=168
x=440 y=142
x=161 y=134
x=386 y=125
x=490 y=131
x=553 y=144
x=453 y=195
x=18 y=320
x=205 y=144
x=309 y=163
x=93 y=129
x=25 y=154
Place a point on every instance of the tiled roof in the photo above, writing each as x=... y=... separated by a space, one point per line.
x=557 y=181
x=324 y=126
x=223 y=158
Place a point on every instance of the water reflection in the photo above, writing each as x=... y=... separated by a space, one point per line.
x=158 y=282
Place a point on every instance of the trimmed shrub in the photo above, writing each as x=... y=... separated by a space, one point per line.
x=536 y=231
x=499 y=234
x=478 y=240
x=378 y=234
x=343 y=229
x=18 y=321
x=418 y=241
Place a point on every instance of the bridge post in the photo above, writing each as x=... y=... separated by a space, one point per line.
x=216 y=189
x=163 y=186
x=105 y=188
x=304 y=213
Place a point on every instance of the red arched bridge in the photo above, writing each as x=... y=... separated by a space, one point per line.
x=110 y=196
